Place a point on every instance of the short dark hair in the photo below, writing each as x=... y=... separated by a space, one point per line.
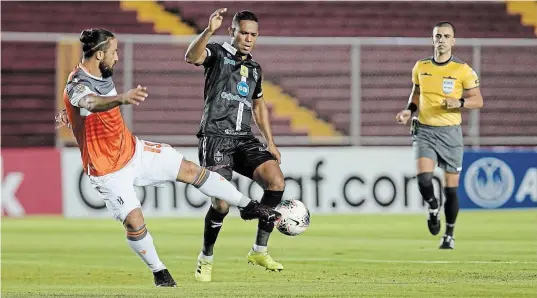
x=94 y=40
x=445 y=24
x=244 y=15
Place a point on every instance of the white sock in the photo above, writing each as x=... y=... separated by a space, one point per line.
x=218 y=187
x=259 y=248
x=144 y=248
x=204 y=257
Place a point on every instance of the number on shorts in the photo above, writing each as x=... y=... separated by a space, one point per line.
x=152 y=147
x=120 y=200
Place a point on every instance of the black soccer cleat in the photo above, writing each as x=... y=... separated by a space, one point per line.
x=447 y=242
x=255 y=210
x=163 y=278
x=433 y=220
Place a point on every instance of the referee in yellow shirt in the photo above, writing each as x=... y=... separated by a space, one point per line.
x=443 y=85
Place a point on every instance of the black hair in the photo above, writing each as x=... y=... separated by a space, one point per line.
x=244 y=15
x=94 y=40
x=445 y=24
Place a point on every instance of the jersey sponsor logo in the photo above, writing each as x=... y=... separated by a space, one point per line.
x=244 y=71
x=233 y=97
x=448 y=85
x=243 y=88
x=489 y=182
x=229 y=61
x=235 y=133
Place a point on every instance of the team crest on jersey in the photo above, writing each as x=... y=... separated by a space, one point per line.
x=79 y=88
x=218 y=157
x=448 y=85
x=244 y=71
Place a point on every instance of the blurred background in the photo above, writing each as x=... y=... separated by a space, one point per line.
x=336 y=74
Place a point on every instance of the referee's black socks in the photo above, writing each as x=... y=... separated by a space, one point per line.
x=451 y=208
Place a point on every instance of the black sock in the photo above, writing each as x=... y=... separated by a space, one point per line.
x=425 y=185
x=451 y=208
x=213 y=224
x=270 y=198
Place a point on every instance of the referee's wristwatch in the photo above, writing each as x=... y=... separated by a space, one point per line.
x=462 y=102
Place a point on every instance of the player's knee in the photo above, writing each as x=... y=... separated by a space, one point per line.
x=135 y=220
x=425 y=180
x=135 y=226
x=452 y=179
x=220 y=206
x=188 y=172
x=277 y=182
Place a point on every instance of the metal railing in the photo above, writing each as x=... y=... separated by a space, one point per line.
x=129 y=42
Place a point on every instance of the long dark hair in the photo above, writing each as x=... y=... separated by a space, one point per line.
x=94 y=40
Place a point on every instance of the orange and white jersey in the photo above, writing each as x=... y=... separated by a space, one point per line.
x=106 y=144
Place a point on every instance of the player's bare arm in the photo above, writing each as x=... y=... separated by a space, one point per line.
x=471 y=99
x=95 y=103
x=413 y=103
x=196 y=54
x=262 y=120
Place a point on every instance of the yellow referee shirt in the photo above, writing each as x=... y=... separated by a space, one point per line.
x=438 y=81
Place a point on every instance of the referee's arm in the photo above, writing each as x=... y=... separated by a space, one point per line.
x=472 y=98
x=414 y=99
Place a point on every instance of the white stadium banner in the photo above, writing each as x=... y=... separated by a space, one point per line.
x=326 y=179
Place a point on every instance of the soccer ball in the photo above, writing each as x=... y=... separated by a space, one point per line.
x=295 y=217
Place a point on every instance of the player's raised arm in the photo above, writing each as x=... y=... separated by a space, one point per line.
x=196 y=52
x=94 y=103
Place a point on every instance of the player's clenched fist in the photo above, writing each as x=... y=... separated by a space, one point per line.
x=403 y=116
x=215 y=20
x=135 y=96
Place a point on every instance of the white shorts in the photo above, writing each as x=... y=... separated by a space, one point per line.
x=152 y=164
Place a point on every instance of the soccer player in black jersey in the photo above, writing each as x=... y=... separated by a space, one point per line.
x=233 y=96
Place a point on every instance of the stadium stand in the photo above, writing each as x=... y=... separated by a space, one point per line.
x=319 y=78
x=374 y=19
x=29 y=68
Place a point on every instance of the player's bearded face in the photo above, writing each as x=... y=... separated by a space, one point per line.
x=106 y=69
x=109 y=59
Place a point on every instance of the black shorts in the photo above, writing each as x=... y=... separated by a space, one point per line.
x=225 y=155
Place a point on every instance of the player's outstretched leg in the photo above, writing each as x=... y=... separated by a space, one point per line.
x=141 y=243
x=271 y=177
x=451 y=210
x=425 y=185
x=214 y=185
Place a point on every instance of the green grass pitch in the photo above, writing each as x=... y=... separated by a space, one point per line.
x=339 y=256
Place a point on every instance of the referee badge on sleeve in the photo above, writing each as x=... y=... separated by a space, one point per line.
x=448 y=85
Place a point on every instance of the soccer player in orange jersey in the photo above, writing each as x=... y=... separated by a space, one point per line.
x=115 y=160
